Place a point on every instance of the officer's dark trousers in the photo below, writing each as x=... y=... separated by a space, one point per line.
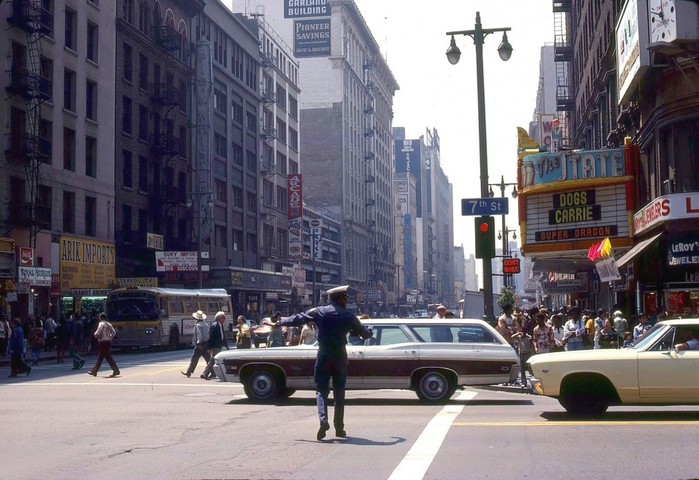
x=331 y=366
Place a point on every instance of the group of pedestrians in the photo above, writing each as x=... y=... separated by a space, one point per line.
x=569 y=328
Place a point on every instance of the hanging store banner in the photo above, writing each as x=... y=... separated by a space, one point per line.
x=306 y=8
x=86 y=264
x=608 y=270
x=312 y=38
x=294 y=189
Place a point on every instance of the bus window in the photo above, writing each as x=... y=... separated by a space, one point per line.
x=133 y=309
x=223 y=306
x=176 y=308
x=212 y=307
x=191 y=307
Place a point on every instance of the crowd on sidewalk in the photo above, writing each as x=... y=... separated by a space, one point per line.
x=538 y=330
x=25 y=341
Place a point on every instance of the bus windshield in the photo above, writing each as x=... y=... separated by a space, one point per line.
x=130 y=308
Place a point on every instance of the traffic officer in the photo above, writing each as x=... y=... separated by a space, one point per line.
x=333 y=322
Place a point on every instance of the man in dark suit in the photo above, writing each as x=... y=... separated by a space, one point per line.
x=217 y=341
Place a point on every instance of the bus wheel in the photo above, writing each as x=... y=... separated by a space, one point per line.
x=174 y=340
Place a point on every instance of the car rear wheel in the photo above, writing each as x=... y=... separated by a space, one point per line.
x=263 y=386
x=435 y=386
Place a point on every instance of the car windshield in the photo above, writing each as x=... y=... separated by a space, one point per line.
x=649 y=337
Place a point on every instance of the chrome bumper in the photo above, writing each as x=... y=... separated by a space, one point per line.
x=536 y=386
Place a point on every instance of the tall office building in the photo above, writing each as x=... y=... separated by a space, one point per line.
x=346 y=110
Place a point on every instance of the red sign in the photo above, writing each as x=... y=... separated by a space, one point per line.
x=510 y=266
x=26 y=256
x=294 y=186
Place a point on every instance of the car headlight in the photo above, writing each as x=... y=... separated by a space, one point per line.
x=149 y=331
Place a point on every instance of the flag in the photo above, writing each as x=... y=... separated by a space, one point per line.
x=605 y=247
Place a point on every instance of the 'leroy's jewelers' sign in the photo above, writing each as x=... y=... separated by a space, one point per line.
x=683 y=251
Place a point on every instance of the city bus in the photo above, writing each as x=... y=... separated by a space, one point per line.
x=162 y=317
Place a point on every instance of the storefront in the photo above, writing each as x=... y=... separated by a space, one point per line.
x=255 y=293
x=87 y=269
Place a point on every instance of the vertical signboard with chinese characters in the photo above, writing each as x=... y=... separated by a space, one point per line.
x=294 y=189
x=316 y=227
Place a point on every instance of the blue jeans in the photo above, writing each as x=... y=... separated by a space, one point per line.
x=331 y=365
x=570 y=346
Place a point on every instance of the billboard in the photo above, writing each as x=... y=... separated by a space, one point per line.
x=86 y=264
x=408 y=158
x=632 y=56
x=176 y=262
x=312 y=38
x=306 y=8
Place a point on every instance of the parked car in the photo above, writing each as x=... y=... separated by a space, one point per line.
x=652 y=372
x=401 y=354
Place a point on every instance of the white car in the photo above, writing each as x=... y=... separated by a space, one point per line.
x=401 y=354
x=652 y=372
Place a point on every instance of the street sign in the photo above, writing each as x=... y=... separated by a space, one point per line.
x=484 y=206
x=510 y=266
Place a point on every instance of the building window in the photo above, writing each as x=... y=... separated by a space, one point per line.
x=90 y=216
x=237 y=155
x=68 y=149
x=126 y=222
x=220 y=191
x=69 y=90
x=251 y=122
x=91 y=100
x=281 y=164
x=220 y=239
x=220 y=145
x=128 y=62
x=252 y=202
x=281 y=97
x=251 y=246
x=92 y=41
x=71 y=29
x=237 y=237
x=293 y=139
x=69 y=212
x=144 y=18
x=251 y=162
x=91 y=157
x=293 y=107
x=128 y=10
x=220 y=101
x=281 y=198
x=142 y=173
x=281 y=130
x=293 y=167
x=237 y=197
x=142 y=122
x=126 y=120
x=44 y=206
x=267 y=193
x=47 y=73
x=237 y=113
x=142 y=72
x=126 y=169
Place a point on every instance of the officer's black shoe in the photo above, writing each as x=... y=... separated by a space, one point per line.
x=324 y=427
x=340 y=433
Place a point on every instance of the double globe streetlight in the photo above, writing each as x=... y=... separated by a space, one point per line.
x=453 y=55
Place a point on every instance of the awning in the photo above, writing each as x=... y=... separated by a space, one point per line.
x=635 y=250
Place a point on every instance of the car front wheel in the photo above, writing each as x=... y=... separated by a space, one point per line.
x=435 y=386
x=263 y=386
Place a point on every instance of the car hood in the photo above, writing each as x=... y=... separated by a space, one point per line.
x=601 y=355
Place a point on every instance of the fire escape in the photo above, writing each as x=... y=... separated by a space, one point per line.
x=563 y=57
x=26 y=144
x=370 y=162
x=269 y=135
x=166 y=192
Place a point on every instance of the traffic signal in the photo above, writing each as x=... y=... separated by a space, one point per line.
x=485 y=237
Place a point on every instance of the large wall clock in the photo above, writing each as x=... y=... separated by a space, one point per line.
x=672 y=21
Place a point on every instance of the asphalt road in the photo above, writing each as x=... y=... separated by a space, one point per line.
x=153 y=423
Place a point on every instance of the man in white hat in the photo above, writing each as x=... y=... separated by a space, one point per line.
x=333 y=322
x=199 y=340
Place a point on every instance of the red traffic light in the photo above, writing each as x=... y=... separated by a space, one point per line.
x=484 y=227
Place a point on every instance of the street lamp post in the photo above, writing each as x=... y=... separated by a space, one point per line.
x=505 y=235
x=478 y=35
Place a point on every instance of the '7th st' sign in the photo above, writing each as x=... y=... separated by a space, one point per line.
x=484 y=206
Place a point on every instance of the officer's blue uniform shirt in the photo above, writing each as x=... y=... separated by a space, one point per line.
x=333 y=322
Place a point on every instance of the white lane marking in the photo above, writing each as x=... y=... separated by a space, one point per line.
x=416 y=462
